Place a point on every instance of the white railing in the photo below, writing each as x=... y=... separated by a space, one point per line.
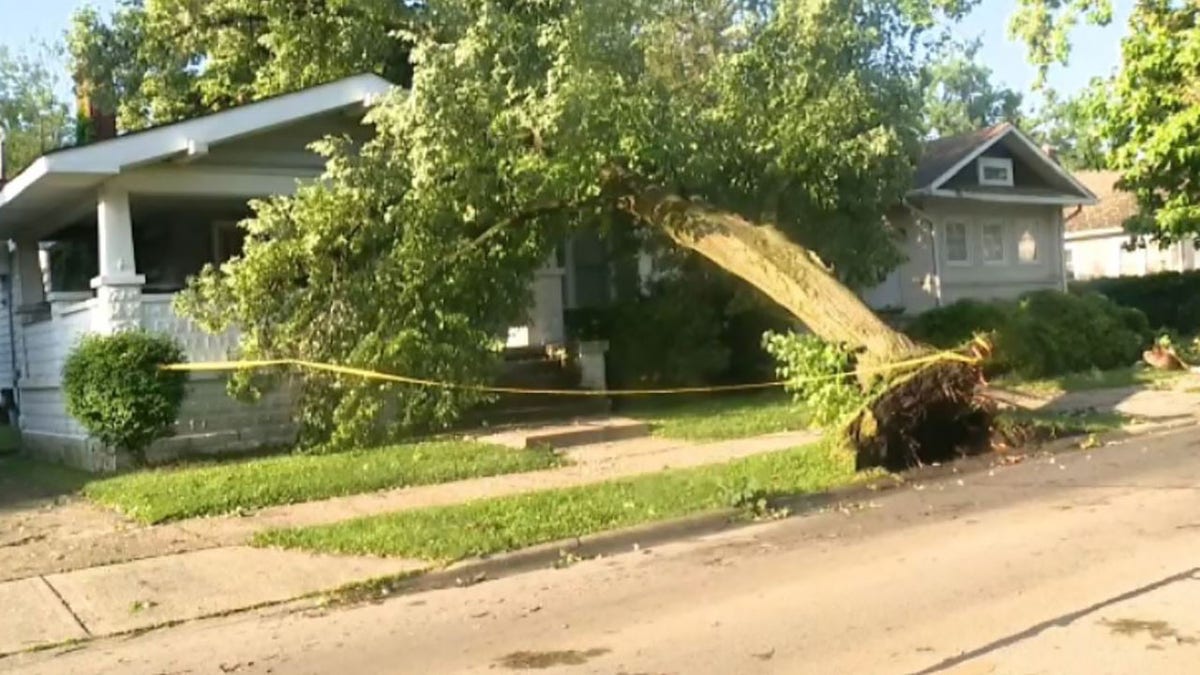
x=159 y=317
x=46 y=344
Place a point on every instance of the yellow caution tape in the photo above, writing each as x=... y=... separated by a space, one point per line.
x=224 y=366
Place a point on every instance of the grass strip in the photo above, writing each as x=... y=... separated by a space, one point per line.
x=448 y=533
x=160 y=495
x=719 y=418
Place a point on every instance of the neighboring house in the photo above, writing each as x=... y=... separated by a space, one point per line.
x=983 y=220
x=1097 y=244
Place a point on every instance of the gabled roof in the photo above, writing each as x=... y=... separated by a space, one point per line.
x=944 y=158
x=1113 y=207
x=88 y=166
x=941 y=155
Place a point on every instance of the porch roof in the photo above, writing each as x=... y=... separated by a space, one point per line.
x=63 y=178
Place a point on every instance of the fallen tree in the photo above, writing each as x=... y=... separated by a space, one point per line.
x=416 y=249
x=923 y=413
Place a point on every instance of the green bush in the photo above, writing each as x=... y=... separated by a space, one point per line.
x=1043 y=333
x=820 y=375
x=117 y=391
x=1170 y=300
x=1052 y=333
x=953 y=325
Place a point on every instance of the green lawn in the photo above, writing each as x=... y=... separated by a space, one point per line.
x=718 y=418
x=184 y=492
x=487 y=526
x=1135 y=376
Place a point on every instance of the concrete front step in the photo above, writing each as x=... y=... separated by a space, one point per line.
x=579 y=432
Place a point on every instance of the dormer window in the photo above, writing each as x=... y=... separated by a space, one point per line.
x=996 y=171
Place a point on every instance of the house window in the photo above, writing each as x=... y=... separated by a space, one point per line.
x=1027 y=249
x=997 y=171
x=992 y=243
x=957 y=250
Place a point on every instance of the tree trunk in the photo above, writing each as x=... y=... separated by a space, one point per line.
x=787 y=273
x=925 y=413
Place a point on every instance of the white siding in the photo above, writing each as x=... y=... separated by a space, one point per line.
x=1011 y=276
x=8 y=378
x=913 y=285
x=1104 y=255
x=46 y=429
x=210 y=421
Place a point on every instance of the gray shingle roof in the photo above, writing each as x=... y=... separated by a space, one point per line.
x=940 y=155
x=1112 y=210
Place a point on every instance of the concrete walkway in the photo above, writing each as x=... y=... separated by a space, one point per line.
x=104 y=578
x=1156 y=405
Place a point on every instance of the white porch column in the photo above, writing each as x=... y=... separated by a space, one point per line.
x=29 y=289
x=546 y=316
x=119 y=286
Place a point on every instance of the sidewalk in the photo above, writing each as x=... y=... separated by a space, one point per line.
x=94 y=574
x=148 y=593
x=1155 y=405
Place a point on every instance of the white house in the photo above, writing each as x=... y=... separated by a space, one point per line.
x=983 y=220
x=102 y=236
x=1098 y=246
x=144 y=211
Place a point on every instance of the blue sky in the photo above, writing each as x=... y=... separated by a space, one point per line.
x=1096 y=51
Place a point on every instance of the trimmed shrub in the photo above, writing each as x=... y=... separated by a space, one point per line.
x=116 y=389
x=953 y=325
x=1043 y=333
x=1052 y=333
x=1170 y=300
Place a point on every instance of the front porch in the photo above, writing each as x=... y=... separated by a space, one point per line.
x=118 y=265
x=117 y=270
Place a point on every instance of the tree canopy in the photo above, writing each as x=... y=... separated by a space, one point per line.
x=1076 y=126
x=1154 y=121
x=1044 y=26
x=527 y=118
x=961 y=97
x=32 y=117
x=156 y=61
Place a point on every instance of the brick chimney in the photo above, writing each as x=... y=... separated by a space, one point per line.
x=1051 y=152
x=95 y=120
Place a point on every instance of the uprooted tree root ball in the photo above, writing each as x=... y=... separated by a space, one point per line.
x=933 y=414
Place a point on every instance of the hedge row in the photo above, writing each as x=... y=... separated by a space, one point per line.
x=1170 y=300
x=1044 y=333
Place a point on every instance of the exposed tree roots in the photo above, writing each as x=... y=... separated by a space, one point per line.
x=930 y=415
